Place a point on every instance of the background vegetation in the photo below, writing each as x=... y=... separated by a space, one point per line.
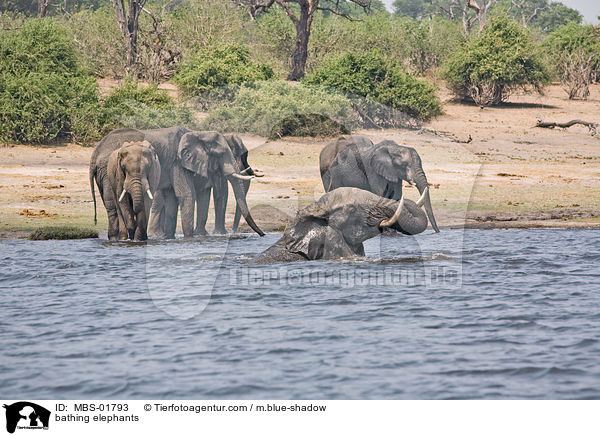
x=377 y=67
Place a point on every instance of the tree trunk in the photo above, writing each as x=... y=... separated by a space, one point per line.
x=42 y=8
x=129 y=28
x=300 y=53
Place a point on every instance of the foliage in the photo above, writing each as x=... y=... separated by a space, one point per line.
x=491 y=65
x=576 y=53
x=258 y=107
x=410 y=8
x=219 y=67
x=145 y=107
x=315 y=125
x=374 y=77
x=540 y=13
x=44 y=91
x=46 y=233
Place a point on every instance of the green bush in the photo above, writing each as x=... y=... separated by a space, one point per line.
x=46 y=233
x=44 y=91
x=257 y=108
x=490 y=66
x=373 y=78
x=575 y=52
x=144 y=107
x=219 y=67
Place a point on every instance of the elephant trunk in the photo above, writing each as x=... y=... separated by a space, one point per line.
x=238 y=191
x=421 y=182
x=238 y=212
x=135 y=189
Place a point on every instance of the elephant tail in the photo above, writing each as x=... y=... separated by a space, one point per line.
x=92 y=174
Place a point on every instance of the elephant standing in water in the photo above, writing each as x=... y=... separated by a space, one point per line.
x=182 y=154
x=340 y=221
x=379 y=168
x=134 y=174
x=218 y=185
x=197 y=158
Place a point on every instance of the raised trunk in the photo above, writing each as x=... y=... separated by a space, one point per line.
x=412 y=220
x=421 y=183
x=238 y=191
x=300 y=53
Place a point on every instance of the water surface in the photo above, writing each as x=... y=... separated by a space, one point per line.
x=496 y=314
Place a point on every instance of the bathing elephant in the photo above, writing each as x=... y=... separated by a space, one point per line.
x=340 y=221
x=379 y=168
x=220 y=192
x=180 y=159
x=134 y=174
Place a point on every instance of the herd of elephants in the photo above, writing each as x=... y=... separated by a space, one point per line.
x=146 y=177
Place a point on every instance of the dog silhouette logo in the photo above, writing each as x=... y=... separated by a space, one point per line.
x=26 y=415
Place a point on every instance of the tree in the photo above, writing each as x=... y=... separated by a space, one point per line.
x=411 y=8
x=555 y=16
x=468 y=11
x=301 y=13
x=576 y=52
x=129 y=28
x=490 y=66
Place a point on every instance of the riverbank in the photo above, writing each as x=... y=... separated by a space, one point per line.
x=510 y=175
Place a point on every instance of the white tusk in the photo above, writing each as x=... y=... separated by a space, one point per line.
x=390 y=222
x=421 y=200
x=242 y=172
x=239 y=176
x=122 y=195
x=149 y=194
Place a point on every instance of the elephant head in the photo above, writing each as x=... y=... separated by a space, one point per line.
x=395 y=163
x=208 y=155
x=339 y=222
x=134 y=170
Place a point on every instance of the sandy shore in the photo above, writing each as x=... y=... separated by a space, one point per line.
x=510 y=175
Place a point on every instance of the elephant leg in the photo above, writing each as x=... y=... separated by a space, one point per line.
x=202 y=202
x=183 y=186
x=170 y=220
x=156 y=221
x=220 y=195
x=115 y=225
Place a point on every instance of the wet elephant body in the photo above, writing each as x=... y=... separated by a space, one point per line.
x=338 y=223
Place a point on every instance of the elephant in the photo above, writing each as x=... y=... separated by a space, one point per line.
x=337 y=224
x=182 y=154
x=379 y=168
x=134 y=174
x=219 y=189
x=197 y=159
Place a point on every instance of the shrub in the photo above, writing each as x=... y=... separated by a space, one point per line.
x=44 y=91
x=315 y=125
x=145 y=107
x=490 y=66
x=375 y=78
x=576 y=53
x=257 y=108
x=46 y=233
x=219 y=67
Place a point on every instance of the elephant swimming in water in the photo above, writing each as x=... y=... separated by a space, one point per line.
x=381 y=168
x=338 y=223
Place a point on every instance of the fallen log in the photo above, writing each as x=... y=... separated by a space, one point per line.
x=593 y=127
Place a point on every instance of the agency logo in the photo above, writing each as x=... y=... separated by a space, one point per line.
x=26 y=415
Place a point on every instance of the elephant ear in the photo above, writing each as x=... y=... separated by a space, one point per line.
x=154 y=176
x=193 y=154
x=382 y=163
x=119 y=173
x=310 y=234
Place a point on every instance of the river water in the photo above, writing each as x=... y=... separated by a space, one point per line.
x=473 y=314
